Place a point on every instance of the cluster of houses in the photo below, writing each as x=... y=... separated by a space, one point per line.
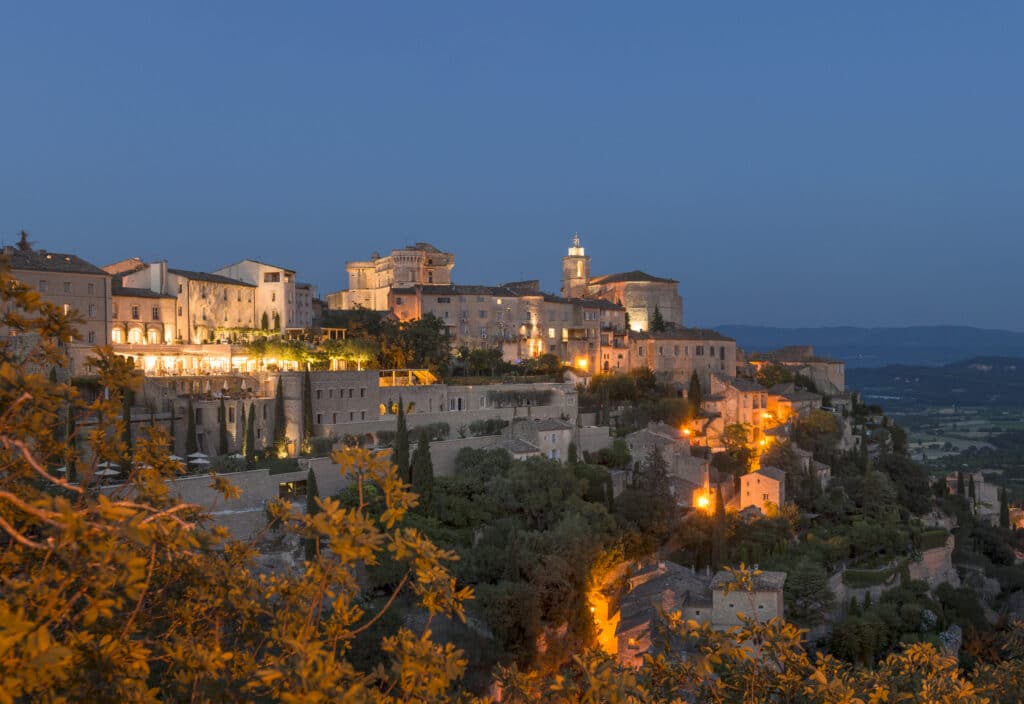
x=182 y=329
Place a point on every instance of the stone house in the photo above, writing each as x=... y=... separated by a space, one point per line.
x=676 y=353
x=765 y=486
x=764 y=601
x=72 y=285
x=277 y=293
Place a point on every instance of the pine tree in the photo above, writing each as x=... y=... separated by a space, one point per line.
x=191 y=443
x=718 y=533
x=312 y=508
x=280 y=438
x=423 y=470
x=222 y=429
x=250 y=435
x=695 y=395
x=400 y=446
x=960 y=488
x=307 y=413
x=1004 y=510
x=657 y=321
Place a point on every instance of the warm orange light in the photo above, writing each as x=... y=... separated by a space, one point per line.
x=581 y=362
x=686 y=431
x=703 y=502
x=763 y=442
x=766 y=415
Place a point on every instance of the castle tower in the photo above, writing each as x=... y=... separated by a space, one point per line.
x=575 y=270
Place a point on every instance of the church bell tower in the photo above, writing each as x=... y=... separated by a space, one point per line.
x=575 y=270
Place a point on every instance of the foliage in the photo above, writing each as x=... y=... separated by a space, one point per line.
x=808 y=596
x=279 y=436
x=695 y=394
x=657 y=321
x=423 y=470
x=771 y=374
x=306 y=442
x=489 y=426
x=400 y=445
x=819 y=433
x=127 y=594
x=223 y=443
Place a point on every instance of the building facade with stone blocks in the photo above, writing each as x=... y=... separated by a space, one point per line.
x=739 y=401
x=763 y=601
x=828 y=375
x=141 y=316
x=766 y=486
x=640 y=293
x=73 y=285
x=370 y=282
x=206 y=305
x=277 y=293
x=675 y=354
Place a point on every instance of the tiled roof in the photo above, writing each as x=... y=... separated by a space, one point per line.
x=549 y=424
x=119 y=290
x=518 y=446
x=211 y=278
x=772 y=473
x=741 y=384
x=41 y=260
x=765 y=581
x=630 y=277
x=681 y=333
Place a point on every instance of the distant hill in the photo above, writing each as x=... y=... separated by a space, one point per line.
x=878 y=347
x=981 y=381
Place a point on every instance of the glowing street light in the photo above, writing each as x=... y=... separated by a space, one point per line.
x=703 y=501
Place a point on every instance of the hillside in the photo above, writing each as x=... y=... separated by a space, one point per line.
x=879 y=347
x=980 y=381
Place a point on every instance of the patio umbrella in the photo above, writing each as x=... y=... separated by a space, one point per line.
x=175 y=458
x=60 y=470
x=197 y=455
x=107 y=472
x=109 y=465
x=200 y=460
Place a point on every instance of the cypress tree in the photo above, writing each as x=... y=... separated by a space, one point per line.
x=423 y=470
x=126 y=420
x=244 y=433
x=695 y=395
x=960 y=489
x=718 y=533
x=657 y=321
x=280 y=438
x=222 y=429
x=312 y=508
x=170 y=432
x=867 y=600
x=191 y=444
x=1004 y=510
x=854 y=608
x=970 y=490
x=573 y=455
x=307 y=413
x=400 y=446
x=265 y=321
x=250 y=435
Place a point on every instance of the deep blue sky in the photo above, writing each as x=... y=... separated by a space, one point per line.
x=799 y=163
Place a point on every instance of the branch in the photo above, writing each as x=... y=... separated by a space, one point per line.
x=145 y=588
x=27 y=454
x=386 y=606
x=18 y=537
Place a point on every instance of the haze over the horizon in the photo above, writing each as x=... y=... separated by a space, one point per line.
x=799 y=165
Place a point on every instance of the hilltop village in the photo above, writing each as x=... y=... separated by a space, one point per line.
x=596 y=463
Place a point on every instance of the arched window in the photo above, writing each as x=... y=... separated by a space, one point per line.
x=117 y=336
x=135 y=336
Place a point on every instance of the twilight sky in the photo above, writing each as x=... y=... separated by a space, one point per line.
x=797 y=163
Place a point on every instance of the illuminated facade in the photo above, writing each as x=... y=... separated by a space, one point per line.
x=370 y=282
x=287 y=304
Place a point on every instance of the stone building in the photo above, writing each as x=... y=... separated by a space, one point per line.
x=517 y=318
x=675 y=354
x=206 y=305
x=737 y=401
x=287 y=304
x=761 y=488
x=640 y=293
x=828 y=375
x=73 y=285
x=141 y=316
x=370 y=282
x=652 y=591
